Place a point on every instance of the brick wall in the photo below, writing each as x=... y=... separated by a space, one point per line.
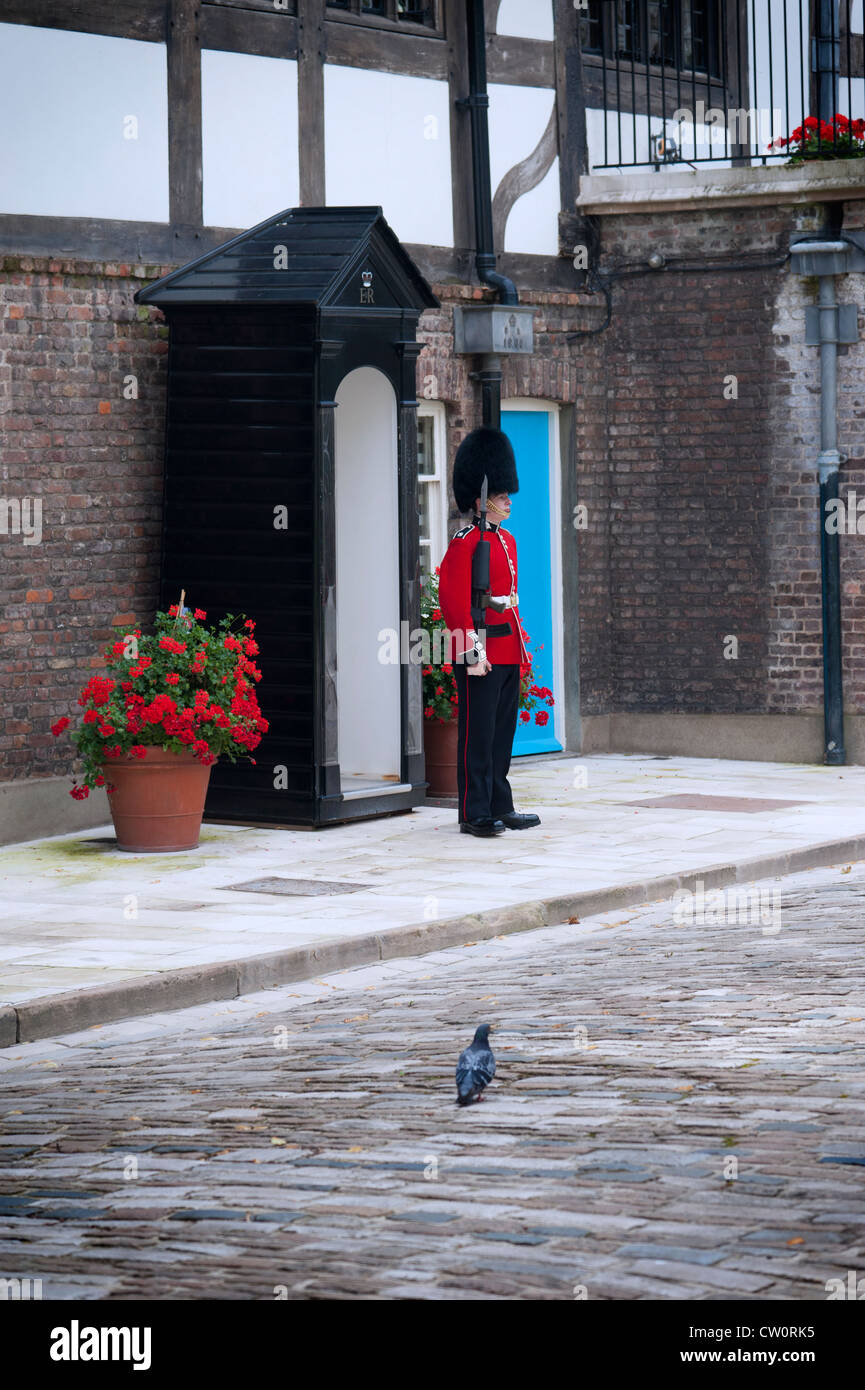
x=703 y=510
x=70 y=337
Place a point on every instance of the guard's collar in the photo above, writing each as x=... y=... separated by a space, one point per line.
x=491 y=525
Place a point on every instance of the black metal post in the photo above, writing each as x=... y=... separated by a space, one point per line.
x=477 y=103
x=829 y=464
x=833 y=697
x=490 y=377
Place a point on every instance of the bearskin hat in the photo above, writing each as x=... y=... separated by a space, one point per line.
x=486 y=451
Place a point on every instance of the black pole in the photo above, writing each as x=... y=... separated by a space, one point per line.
x=833 y=699
x=829 y=464
x=490 y=377
x=478 y=104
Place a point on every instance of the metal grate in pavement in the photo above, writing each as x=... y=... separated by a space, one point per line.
x=694 y=801
x=297 y=887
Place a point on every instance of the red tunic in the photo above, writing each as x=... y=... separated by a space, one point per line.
x=455 y=584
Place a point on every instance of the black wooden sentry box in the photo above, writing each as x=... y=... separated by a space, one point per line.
x=262 y=332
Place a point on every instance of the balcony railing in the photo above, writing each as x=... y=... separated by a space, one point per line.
x=720 y=81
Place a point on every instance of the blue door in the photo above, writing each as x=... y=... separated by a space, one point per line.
x=531 y=522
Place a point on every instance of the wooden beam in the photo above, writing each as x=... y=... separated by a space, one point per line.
x=282 y=7
x=124 y=19
x=389 y=23
x=267 y=33
x=441 y=266
x=570 y=105
x=491 y=15
x=310 y=100
x=368 y=46
x=103 y=239
x=184 y=114
x=521 y=62
x=160 y=244
x=712 y=92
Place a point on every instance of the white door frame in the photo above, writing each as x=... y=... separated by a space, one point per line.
x=367 y=578
x=555 y=462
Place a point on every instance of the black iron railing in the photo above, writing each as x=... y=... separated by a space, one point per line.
x=711 y=81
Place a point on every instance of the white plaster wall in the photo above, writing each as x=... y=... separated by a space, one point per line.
x=367 y=573
x=249 y=137
x=387 y=142
x=533 y=225
x=772 y=107
x=65 y=149
x=517 y=118
x=527 y=19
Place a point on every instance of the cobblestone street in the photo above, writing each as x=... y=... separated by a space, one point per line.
x=677 y=1115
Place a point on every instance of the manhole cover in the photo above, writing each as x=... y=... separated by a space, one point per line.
x=687 y=801
x=297 y=887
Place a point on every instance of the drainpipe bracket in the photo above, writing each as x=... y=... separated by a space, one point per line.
x=829 y=461
x=844 y=324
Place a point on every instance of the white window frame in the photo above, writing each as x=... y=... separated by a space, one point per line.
x=437 y=481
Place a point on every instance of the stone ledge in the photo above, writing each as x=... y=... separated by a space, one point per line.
x=756 y=187
x=33 y=807
x=769 y=738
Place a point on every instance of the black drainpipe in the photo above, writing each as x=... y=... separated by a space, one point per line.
x=477 y=101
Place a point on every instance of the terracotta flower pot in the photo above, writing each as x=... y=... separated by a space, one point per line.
x=158 y=800
x=440 y=754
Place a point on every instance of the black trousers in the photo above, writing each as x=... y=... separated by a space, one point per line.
x=487 y=724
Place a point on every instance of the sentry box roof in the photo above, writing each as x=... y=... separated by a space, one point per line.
x=300 y=256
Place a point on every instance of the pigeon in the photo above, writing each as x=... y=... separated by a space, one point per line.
x=475 y=1068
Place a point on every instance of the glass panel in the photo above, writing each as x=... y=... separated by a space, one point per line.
x=592 y=27
x=426 y=463
x=424 y=502
x=416 y=11
x=372 y=6
x=660 y=18
x=627 y=36
x=425 y=561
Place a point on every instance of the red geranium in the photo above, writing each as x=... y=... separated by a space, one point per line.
x=127 y=709
x=838 y=138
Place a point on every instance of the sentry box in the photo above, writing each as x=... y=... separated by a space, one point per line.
x=291 y=496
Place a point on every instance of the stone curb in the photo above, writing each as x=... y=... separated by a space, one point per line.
x=52 y=1015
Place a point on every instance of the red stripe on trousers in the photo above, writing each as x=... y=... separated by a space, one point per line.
x=465 y=751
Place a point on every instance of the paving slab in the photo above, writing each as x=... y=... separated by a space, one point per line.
x=89 y=934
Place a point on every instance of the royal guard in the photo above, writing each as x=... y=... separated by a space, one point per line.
x=478 y=599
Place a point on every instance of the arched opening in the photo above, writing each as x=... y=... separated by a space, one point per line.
x=367 y=579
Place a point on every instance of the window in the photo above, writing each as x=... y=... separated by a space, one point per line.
x=681 y=34
x=431 y=485
x=425 y=12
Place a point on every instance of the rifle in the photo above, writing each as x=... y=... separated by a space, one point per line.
x=480 y=597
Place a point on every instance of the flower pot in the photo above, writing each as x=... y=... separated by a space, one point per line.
x=158 y=800
x=440 y=754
